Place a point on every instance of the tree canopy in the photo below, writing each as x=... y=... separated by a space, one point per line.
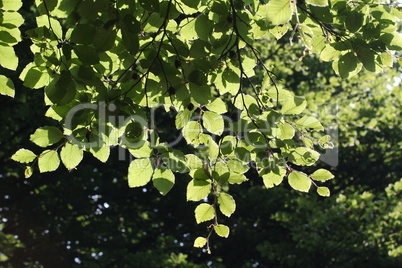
x=203 y=97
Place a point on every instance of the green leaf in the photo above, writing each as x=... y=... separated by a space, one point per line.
x=175 y=161
x=228 y=144
x=227 y=81
x=28 y=172
x=354 y=21
x=200 y=93
x=8 y=58
x=23 y=156
x=285 y=131
x=237 y=166
x=193 y=162
x=222 y=230
x=101 y=153
x=204 y=212
x=203 y=27
x=200 y=242
x=322 y=175
x=34 y=77
x=217 y=106
x=392 y=40
x=279 y=12
x=163 y=180
x=48 y=161
x=52 y=25
x=325 y=143
x=347 y=65
x=61 y=91
x=182 y=118
x=134 y=134
x=299 y=181
x=86 y=54
x=303 y=156
x=11 y=5
x=130 y=30
x=367 y=57
x=140 y=172
x=46 y=136
x=309 y=122
x=188 y=32
x=320 y=3
x=198 y=189
x=104 y=39
x=71 y=155
x=83 y=34
x=323 y=191
x=144 y=151
x=6 y=86
x=274 y=177
x=386 y=59
x=213 y=122
x=191 y=131
x=279 y=30
x=294 y=105
x=329 y=53
x=150 y=5
x=236 y=178
x=227 y=204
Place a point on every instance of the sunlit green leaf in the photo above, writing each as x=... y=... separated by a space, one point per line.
x=200 y=242
x=48 y=161
x=198 y=189
x=393 y=40
x=163 y=180
x=222 y=230
x=140 y=172
x=6 y=86
x=321 y=3
x=329 y=53
x=347 y=65
x=237 y=178
x=237 y=166
x=309 y=122
x=101 y=153
x=46 y=136
x=191 y=131
x=303 y=156
x=11 y=5
x=294 y=105
x=71 y=155
x=323 y=191
x=274 y=177
x=299 y=181
x=8 y=58
x=285 y=131
x=217 y=106
x=204 y=212
x=322 y=175
x=28 y=172
x=213 y=122
x=227 y=204
x=279 y=12
x=193 y=162
x=23 y=156
x=176 y=161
